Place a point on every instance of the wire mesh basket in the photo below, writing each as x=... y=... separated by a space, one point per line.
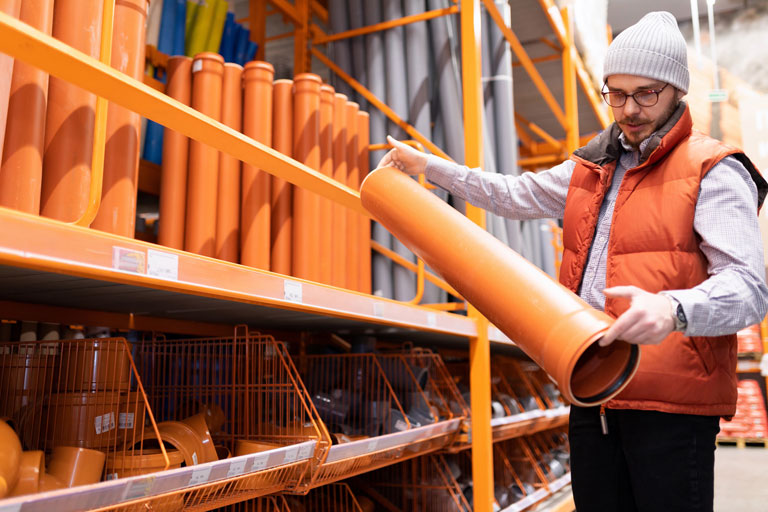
x=336 y=497
x=240 y=395
x=82 y=402
x=423 y=484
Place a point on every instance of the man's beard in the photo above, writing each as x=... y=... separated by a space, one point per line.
x=636 y=120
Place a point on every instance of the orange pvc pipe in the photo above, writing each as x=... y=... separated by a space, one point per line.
x=353 y=178
x=363 y=165
x=326 y=167
x=117 y=213
x=306 y=149
x=557 y=329
x=70 y=118
x=21 y=172
x=173 y=179
x=339 y=212
x=282 y=191
x=228 y=213
x=12 y=8
x=203 y=177
x=257 y=184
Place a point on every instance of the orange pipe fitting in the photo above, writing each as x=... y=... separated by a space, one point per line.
x=70 y=118
x=339 y=212
x=326 y=167
x=353 y=178
x=282 y=191
x=228 y=213
x=257 y=184
x=12 y=8
x=203 y=178
x=306 y=149
x=21 y=172
x=557 y=329
x=363 y=165
x=173 y=178
x=117 y=213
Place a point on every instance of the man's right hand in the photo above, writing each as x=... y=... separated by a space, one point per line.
x=404 y=157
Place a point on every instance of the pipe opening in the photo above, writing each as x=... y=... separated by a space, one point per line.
x=600 y=371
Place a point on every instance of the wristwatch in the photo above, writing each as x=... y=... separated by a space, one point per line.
x=678 y=315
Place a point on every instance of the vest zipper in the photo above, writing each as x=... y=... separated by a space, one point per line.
x=603 y=420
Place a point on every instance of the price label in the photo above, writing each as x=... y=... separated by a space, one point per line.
x=200 y=476
x=290 y=455
x=125 y=420
x=236 y=468
x=259 y=463
x=292 y=291
x=431 y=319
x=163 y=265
x=140 y=488
x=372 y=444
x=305 y=452
x=378 y=310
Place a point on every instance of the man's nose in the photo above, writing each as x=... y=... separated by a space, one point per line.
x=631 y=107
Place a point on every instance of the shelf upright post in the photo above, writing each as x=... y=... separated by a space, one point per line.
x=301 y=59
x=257 y=20
x=479 y=346
x=569 y=87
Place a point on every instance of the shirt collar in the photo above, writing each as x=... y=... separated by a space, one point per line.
x=630 y=149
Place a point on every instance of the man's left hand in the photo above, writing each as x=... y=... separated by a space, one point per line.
x=647 y=321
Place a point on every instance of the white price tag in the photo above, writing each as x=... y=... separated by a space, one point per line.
x=236 y=468
x=290 y=454
x=194 y=458
x=200 y=476
x=292 y=291
x=305 y=452
x=163 y=265
x=125 y=420
x=378 y=309
x=97 y=424
x=197 y=65
x=372 y=444
x=259 y=463
x=431 y=319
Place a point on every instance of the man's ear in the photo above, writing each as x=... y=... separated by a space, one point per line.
x=680 y=94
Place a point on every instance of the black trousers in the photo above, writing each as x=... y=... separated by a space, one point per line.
x=648 y=462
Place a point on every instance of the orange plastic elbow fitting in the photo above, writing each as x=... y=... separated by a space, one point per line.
x=557 y=329
x=173 y=178
x=203 y=180
x=257 y=184
x=282 y=191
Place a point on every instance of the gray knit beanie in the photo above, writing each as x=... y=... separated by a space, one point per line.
x=654 y=48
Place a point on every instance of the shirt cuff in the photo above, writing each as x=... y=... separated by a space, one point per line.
x=694 y=303
x=442 y=172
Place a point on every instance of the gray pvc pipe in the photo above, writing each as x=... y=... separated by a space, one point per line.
x=340 y=52
x=381 y=266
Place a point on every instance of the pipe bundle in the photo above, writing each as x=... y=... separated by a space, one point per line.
x=212 y=205
x=48 y=138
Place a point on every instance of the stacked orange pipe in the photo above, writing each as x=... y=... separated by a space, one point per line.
x=306 y=149
x=557 y=329
x=339 y=212
x=12 y=8
x=203 y=177
x=256 y=198
x=70 y=117
x=228 y=214
x=353 y=178
x=22 y=163
x=326 y=167
x=117 y=213
x=282 y=193
x=363 y=165
x=173 y=179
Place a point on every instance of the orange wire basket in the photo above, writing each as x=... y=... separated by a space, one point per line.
x=357 y=397
x=337 y=497
x=427 y=483
x=82 y=402
x=242 y=396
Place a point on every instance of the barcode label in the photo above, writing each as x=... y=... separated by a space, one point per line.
x=125 y=420
x=236 y=468
x=259 y=463
x=290 y=454
x=200 y=476
x=104 y=423
x=305 y=452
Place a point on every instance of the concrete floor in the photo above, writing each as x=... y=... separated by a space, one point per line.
x=741 y=479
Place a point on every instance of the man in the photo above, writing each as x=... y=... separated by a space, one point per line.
x=660 y=230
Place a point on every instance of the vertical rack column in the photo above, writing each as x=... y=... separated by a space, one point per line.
x=479 y=346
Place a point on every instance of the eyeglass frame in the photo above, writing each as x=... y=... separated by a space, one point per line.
x=657 y=92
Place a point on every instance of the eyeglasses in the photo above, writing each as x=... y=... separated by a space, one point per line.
x=647 y=98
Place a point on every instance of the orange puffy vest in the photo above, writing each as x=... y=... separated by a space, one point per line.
x=653 y=246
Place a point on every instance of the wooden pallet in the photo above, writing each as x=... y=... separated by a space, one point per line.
x=743 y=442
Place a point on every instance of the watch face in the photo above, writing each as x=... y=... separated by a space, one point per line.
x=681 y=313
